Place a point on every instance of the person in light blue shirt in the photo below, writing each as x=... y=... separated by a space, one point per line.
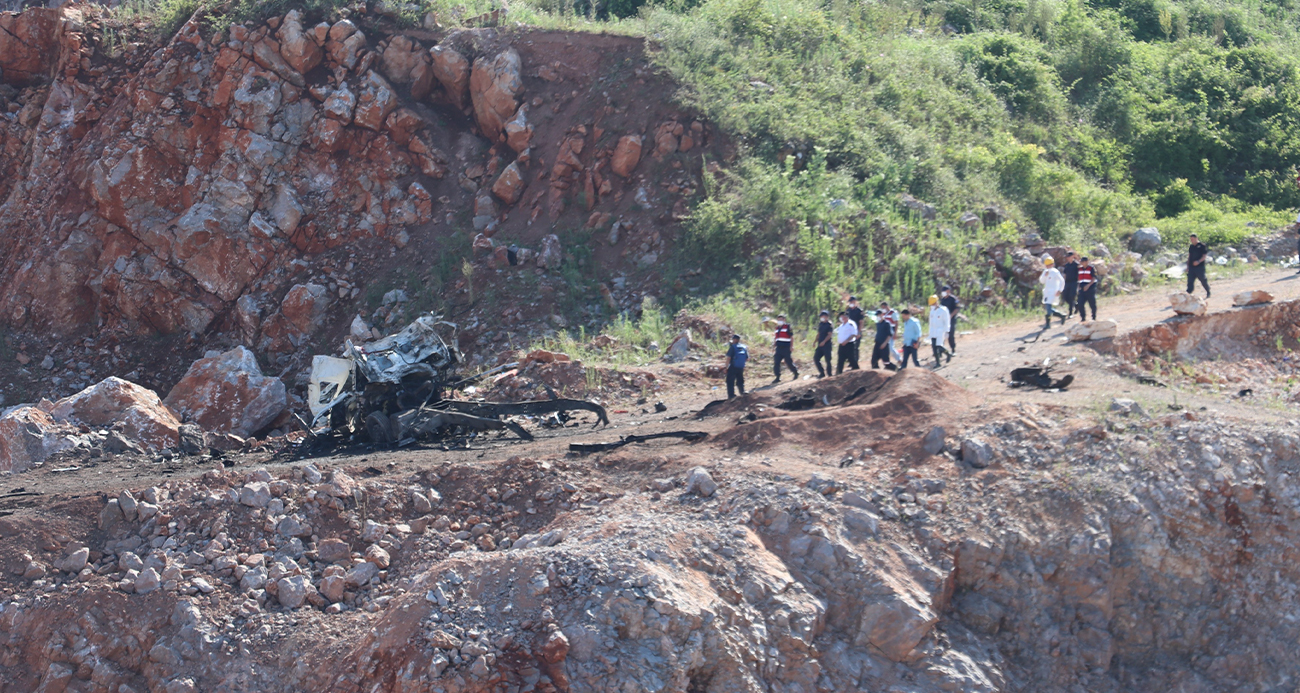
x=911 y=337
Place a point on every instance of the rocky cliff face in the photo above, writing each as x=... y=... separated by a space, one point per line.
x=248 y=186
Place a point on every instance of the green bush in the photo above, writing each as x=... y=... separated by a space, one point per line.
x=1176 y=199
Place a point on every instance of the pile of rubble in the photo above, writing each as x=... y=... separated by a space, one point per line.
x=222 y=401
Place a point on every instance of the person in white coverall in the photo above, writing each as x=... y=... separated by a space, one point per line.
x=1053 y=284
x=940 y=323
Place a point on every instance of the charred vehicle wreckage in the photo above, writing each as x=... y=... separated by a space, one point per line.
x=394 y=391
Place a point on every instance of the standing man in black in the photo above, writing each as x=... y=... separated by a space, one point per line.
x=1070 y=270
x=1087 y=285
x=949 y=300
x=825 y=340
x=784 y=342
x=884 y=332
x=855 y=316
x=846 y=336
x=1197 y=254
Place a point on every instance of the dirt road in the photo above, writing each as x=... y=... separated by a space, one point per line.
x=985 y=357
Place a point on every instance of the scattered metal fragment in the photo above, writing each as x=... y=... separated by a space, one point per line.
x=689 y=436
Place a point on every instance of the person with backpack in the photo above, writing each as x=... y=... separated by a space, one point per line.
x=1197 y=254
x=1087 y=277
x=783 y=340
x=846 y=336
x=948 y=299
x=824 y=342
x=737 y=357
x=940 y=322
x=911 y=338
x=1053 y=284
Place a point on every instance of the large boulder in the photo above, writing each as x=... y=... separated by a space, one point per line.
x=1145 y=240
x=136 y=410
x=29 y=45
x=627 y=154
x=1087 y=331
x=1025 y=268
x=375 y=100
x=1252 y=298
x=1188 y=304
x=227 y=393
x=28 y=436
x=297 y=47
x=494 y=88
x=551 y=255
x=510 y=184
x=400 y=58
x=451 y=69
x=301 y=313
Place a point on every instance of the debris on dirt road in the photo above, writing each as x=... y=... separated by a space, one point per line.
x=688 y=436
x=1040 y=377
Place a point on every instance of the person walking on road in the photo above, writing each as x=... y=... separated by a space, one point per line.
x=824 y=343
x=856 y=317
x=1087 y=276
x=891 y=316
x=948 y=299
x=1053 y=283
x=884 y=333
x=1197 y=254
x=911 y=338
x=940 y=321
x=1070 y=270
x=846 y=336
x=737 y=356
x=784 y=342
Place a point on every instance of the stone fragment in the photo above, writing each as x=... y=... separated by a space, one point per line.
x=976 y=453
x=1188 y=304
x=147 y=581
x=452 y=70
x=1252 y=298
x=933 y=441
x=700 y=482
x=256 y=494
x=1097 y=329
x=28 y=436
x=375 y=100
x=510 y=184
x=494 y=87
x=298 y=48
x=1145 y=240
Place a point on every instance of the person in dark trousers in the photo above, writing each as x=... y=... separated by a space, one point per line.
x=939 y=324
x=911 y=338
x=948 y=299
x=784 y=342
x=880 y=350
x=825 y=340
x=737 y=357
x=846 y=336
x=1197 y=254
x=1070 y=270
x=1087 y=280
x=856 y=316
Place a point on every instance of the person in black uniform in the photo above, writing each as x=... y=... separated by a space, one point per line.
x=1197 y=254
x=949 y=300
x=825 y=340
x=1070 y=270
x=784 y=342
x=884 y=332
x=855 y=316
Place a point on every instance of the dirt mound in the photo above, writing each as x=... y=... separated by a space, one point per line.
x=848 y=410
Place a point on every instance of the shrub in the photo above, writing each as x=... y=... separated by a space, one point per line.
x=1176 y=199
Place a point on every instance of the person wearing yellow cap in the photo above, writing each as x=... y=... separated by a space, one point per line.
x=940 y=323
x=1053 y=284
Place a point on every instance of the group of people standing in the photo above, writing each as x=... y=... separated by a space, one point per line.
x=845 y=339
x=1075 y=282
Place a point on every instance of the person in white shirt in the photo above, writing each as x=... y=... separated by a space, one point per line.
x=1053 y=284
x=940 y=323
x=846 y=336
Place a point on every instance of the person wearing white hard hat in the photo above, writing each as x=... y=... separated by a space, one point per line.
x=1053 y=284
x=940 y=323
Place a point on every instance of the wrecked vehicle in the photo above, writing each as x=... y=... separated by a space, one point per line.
x=392 y=391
